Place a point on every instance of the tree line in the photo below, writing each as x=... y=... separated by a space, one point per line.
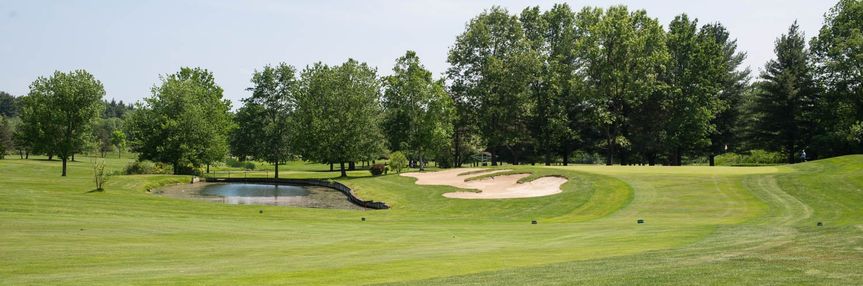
x=537 y=85
x=530 y=87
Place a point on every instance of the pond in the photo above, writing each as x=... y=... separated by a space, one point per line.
x=260 y=194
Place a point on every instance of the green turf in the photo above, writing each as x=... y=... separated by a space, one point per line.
x=719 y=226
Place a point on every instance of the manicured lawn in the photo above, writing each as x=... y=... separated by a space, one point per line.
x=721 y=225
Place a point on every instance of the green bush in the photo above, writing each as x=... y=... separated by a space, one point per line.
x=234 y=163
x=378 y=169
x=146 y=167
x=398 y=161
x=754 y=158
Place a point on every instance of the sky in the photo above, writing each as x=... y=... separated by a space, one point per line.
x=127 y=45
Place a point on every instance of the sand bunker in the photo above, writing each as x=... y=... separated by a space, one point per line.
x=497 y=187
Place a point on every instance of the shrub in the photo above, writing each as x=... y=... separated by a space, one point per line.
x=377 y=169
x=398 y=161
x=145 y=167
x=99 y=174
x=754 y=158
x=234 y=163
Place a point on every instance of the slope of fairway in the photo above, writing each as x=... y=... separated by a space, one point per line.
x=703 y=225
x=782 y=245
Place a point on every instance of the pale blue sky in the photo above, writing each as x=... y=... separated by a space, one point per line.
x=128 y=44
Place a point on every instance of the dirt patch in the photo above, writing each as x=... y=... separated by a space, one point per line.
x=495 y=187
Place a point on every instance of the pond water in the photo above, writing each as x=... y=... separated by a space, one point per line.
x=260 y=194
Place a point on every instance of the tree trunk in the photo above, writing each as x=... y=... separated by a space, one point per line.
x=73 y=157
x=514 y=156
x=119 y=153
x=790 y=155
x=342 y=167
x=352 y=165
x=64 y=166
x=176 y=168
x=457 y=160
x=678 y=157
x=208 y=168
x=422 y=166
x=712 y=160
x=651 y=159
x=566 y=153
x=609 y=157
x=276 y=173
x=50 y=157
x=493 y=159
x=331 y=166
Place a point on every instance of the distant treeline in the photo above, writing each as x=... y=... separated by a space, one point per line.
x=538 y=85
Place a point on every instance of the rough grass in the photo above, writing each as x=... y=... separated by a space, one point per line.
x=720 y=225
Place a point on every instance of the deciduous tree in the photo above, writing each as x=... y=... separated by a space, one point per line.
x=59 y=112
x=267 y=113
x=492 y=66
x=338 y=113
x=694 y=82
x=418 y=111
x=185 y=122
x=623 y=53
x=838 y=55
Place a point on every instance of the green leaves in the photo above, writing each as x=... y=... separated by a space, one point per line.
x=785 y=96
x=265 y=120
x=185 y=122
x=837 y=53
x=623 y=53
x=492 y=68
x=338 y=113
x=59 y=112
x=695 y=78
x=418 y=112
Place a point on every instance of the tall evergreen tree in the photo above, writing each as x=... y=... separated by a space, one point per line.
x=785 y=97
x=734 y=82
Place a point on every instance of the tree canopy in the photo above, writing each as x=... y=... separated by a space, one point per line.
x=785 y=97
x=59 y=112
x=338 y=113
x=185 y=122
x=418 y=111
x=265 y=127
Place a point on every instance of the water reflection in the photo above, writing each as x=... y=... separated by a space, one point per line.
x=261 y=194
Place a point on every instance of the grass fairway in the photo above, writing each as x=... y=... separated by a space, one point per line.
x=704 y=225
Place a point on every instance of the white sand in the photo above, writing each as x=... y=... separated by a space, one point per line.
x=497 y=187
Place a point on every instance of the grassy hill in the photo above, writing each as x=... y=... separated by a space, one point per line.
x=704 y=225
